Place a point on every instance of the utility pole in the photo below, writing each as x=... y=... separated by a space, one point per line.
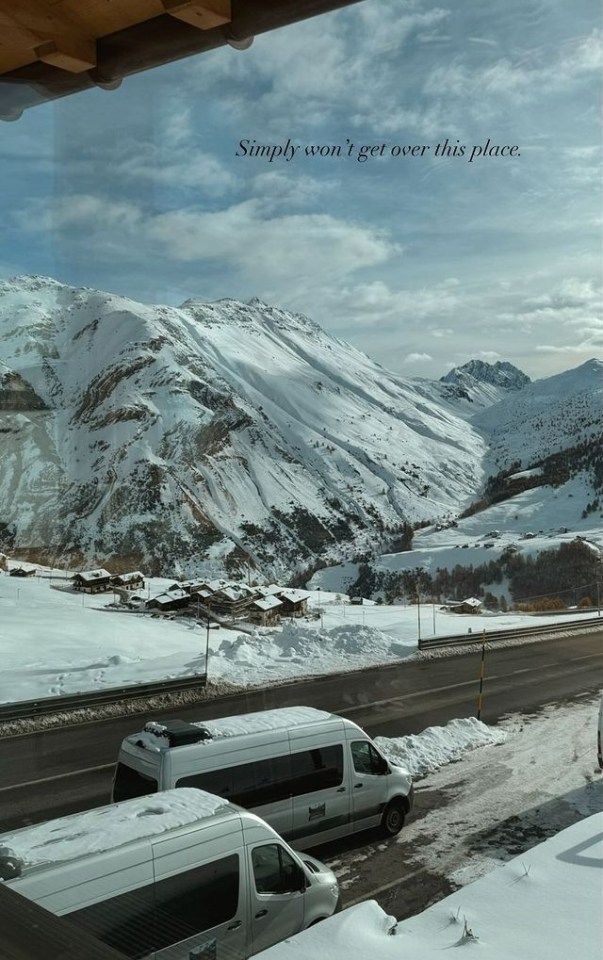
x=207 y=643
x=481 y=675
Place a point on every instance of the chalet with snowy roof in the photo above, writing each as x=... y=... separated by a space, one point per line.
x=265 y=610
x=294 y=602
x=128 y=581
x=22 y=572
x=470 y=605
x=92 y=581
x=169 y=600
x=268 y=590
x=233 y=599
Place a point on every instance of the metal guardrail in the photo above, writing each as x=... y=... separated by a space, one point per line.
x=36 y=708
x=431 y=643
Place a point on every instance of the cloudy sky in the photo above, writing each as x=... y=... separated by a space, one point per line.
x=421 y=261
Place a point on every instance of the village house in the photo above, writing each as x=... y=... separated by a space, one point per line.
x=92 y=581
x=295 y=602
x=128 y=581
x=22 y=572
x=470 y=605
x=171 y=599
x=232 y=600
x=265 y=610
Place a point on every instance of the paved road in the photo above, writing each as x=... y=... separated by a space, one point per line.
x=59 y=771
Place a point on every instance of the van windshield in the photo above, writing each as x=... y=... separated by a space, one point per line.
x=130 y=783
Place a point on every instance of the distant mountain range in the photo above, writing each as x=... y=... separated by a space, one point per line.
x=215 y=436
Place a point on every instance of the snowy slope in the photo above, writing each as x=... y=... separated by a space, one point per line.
x=208 y=433
x=545 y=417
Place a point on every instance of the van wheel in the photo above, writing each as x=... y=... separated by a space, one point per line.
x=393 y=818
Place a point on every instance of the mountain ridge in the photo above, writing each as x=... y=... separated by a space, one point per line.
x=216 y=436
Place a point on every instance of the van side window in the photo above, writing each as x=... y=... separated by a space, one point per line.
x=130 y=783
x=274 y=779
x=367 y=760
x=317 y=769
x=249 y=784
x=174 y=909
x=275 y=871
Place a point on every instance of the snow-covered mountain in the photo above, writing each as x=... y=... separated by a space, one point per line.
x=214 y=436
x=479 y=384
x=209 y=435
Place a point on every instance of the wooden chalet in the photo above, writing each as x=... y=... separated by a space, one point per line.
x=471 y=605
x=265 y=610
x=92 y=581
x=128 y=581
x=22 y=572
x=169 y=600
x=294 y=602
x=232 y=600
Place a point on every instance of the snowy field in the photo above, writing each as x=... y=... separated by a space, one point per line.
x=55 y=641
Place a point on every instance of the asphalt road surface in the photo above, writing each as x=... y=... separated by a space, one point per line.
x=59 y=771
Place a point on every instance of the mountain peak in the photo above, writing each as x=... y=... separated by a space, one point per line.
x=500 y=374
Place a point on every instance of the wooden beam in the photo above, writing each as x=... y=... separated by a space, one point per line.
x=69 y=54
x=203 y=14
x=50 y=36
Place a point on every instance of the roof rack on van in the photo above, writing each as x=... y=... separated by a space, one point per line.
x=177 y=732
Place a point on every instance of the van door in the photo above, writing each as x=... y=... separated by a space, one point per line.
x=276 y=894
x=369 y=785
x=321 y=795
x=200 y=913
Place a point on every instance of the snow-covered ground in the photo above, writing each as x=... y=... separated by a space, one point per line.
x=532 y=779
x=55 y=641
x=543 y=905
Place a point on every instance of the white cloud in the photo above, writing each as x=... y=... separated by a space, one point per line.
x=417 y=358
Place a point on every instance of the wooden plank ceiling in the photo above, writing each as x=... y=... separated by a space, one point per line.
x=63 y=33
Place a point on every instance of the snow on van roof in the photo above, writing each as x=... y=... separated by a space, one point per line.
x=280 y=719
x=105 y=828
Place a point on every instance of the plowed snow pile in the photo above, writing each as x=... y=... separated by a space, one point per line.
x=301 y=650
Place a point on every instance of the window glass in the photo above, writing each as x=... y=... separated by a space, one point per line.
x=174 y=909
x=275 y=870
x=317 y=769
x=130 y=783
x=249 y=784
x=196 y=900
x=366 y=759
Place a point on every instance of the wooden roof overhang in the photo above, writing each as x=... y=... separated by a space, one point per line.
x=54 y=48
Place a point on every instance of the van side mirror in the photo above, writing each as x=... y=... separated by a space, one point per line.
x=296 y=883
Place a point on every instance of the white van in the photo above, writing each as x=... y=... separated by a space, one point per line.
x=179 y=875
x=311 y=775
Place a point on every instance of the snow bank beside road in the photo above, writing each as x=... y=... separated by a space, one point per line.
x=427 y=751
